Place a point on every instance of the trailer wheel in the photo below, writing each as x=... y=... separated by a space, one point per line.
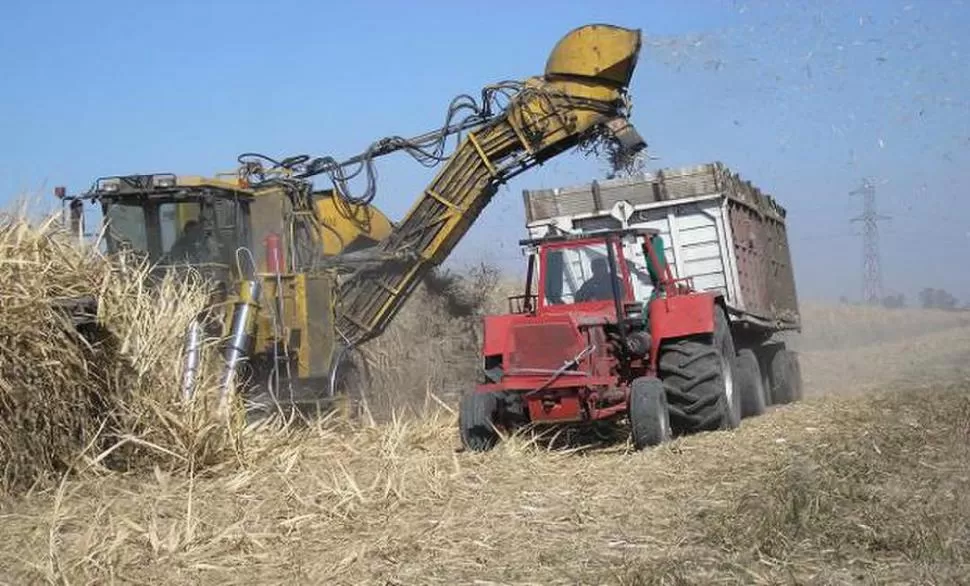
x=751 y=384
x=786 y=383
x=698 y=373
x=799 y=382
x=648 y=413
x=475 y=421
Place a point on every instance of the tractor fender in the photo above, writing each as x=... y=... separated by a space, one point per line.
x=678 y=316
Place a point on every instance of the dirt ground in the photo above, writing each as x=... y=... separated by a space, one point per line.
x=863 y=483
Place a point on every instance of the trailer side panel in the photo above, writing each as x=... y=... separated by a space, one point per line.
x=718 y=230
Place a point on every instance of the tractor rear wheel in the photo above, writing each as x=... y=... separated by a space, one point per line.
x=786 y=380
x=698 y=373
x=751 y=384
x=648 y=413
x=475 y=420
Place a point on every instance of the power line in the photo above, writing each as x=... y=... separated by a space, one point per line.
x=870 y=218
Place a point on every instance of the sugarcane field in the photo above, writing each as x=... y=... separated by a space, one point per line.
x=633 y=293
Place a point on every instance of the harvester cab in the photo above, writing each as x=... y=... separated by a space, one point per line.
x=201 y=222
x=272 y=247
x=578 y=347
x=172 y=221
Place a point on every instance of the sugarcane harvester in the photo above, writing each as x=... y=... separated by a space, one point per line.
x=312 y=274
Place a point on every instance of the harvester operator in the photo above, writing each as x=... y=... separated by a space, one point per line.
x=190 y=246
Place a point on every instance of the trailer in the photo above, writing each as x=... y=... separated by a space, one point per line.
x=720 y=234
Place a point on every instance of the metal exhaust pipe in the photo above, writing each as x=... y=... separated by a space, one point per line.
x=241 y=334
x=193 y=339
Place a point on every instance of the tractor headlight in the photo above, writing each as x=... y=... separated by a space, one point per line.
x=109 y=185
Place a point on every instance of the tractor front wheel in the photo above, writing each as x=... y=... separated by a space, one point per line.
x=475 y=420
x=648 y=413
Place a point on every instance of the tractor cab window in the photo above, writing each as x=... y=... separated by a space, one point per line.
x=579 y=274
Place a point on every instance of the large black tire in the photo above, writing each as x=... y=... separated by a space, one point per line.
x=475 y=421
x=750 y=384
x=785 y=372
x=699 y=377
x=648 y=413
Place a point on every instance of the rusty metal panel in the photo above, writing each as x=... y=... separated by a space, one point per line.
x=764 y=264
x=318 y=323
x=687 y=181
x=761 y=248
x=752 y=258
x=664 y=185
x=601 y=196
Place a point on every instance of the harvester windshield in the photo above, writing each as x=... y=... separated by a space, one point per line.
x=125 y=227
x=168 y=232
x=197 y=225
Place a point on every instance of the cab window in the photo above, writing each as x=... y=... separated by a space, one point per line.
x=578 y=274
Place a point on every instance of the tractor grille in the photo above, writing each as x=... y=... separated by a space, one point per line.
x=543 y=346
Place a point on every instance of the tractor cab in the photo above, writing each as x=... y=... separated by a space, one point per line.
x=588 y=274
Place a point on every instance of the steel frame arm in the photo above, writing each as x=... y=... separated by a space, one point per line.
x=575 y=99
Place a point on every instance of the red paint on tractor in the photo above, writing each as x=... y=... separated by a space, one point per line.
x=561 y=408
x=682 y=315
x=496 y=329
x=679 y=316
x=566 y=360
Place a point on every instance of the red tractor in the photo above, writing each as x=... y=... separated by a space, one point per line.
x=575 y=354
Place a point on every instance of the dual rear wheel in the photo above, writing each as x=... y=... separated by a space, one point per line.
x=769 y=375
x=708 y=385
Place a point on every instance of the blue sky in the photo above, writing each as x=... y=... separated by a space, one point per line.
x=803 y=98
